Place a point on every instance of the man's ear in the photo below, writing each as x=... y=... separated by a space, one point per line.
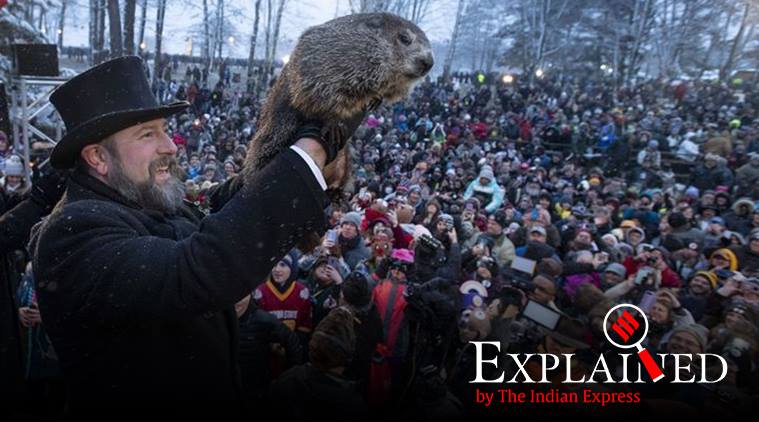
x=96 y=158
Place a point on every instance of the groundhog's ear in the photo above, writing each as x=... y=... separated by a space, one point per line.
x=375 y=22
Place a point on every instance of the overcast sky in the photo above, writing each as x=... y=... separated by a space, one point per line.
x=185 y=18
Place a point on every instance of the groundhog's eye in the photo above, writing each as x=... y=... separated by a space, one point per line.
x=405 y=39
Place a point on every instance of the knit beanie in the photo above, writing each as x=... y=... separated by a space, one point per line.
x=352 y=218
x=698 y=331
x=487 y=172
x=356 y=291
x=710 y=276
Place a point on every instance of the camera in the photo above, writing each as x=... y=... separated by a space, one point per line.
x=518 y=279
x=429 y=244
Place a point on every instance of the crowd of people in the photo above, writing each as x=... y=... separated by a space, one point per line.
x=471 y=199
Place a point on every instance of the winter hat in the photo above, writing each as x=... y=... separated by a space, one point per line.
x=333 y=342
x=617 y=269
x=501 y=218
x=405 y=256
x=446 y=217
x=710 y=276
x=352 y=218
x=717 y=220
x=698 y=331
x=356 y=291
x=14 y=166
x=291 y=261
x=487 y=172
x=610 y=239
x=638 y=230
x=692 y=192
x=538 y=229
x=730 y=255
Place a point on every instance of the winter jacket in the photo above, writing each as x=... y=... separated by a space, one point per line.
x=139 y=304
x=354 y=251
x=389 y=297
x=709 y=178
x=493 y=191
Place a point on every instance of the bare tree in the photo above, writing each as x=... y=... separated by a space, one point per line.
x=454 y=39
x=130 y=9
x=206 y=34
x=114 y=25
x=220 y=28
x=157 y=60
x=251 y=85
x=143 y=20
x=97 y=27
x=267 y=46
x=61 y=25
x=275 y=38
x=738 y=43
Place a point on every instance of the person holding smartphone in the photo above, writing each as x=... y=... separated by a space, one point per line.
x=324 y=284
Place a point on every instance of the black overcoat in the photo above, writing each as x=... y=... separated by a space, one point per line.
x=138 y=304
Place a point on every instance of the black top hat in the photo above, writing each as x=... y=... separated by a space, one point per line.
x=102 y=101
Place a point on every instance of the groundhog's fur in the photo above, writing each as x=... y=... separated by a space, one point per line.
x=336 y=69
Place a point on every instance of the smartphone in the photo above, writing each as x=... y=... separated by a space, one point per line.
x=332 y=236
x=541 y=315
x=332 y=262
x=648 y=299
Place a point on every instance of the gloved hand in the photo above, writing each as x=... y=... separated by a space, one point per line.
x=48 y=188
x=335 y=134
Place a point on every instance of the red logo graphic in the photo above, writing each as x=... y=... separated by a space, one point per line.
x=626 y=327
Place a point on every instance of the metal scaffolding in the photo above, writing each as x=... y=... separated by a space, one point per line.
x=22 y=112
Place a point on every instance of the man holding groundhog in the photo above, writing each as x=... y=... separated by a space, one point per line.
x=136 y=292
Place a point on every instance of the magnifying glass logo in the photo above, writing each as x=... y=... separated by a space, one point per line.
x=626 y=327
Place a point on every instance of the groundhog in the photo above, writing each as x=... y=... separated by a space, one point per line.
x=338 y=69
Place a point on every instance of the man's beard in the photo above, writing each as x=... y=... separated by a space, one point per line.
x=165 y=198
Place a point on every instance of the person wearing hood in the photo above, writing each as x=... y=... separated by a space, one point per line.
x=13 y=175
x=487 y=189
x=747 y=176
x=351 y=242
x=723 y=259
x=634 y=236
x=739 y=217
